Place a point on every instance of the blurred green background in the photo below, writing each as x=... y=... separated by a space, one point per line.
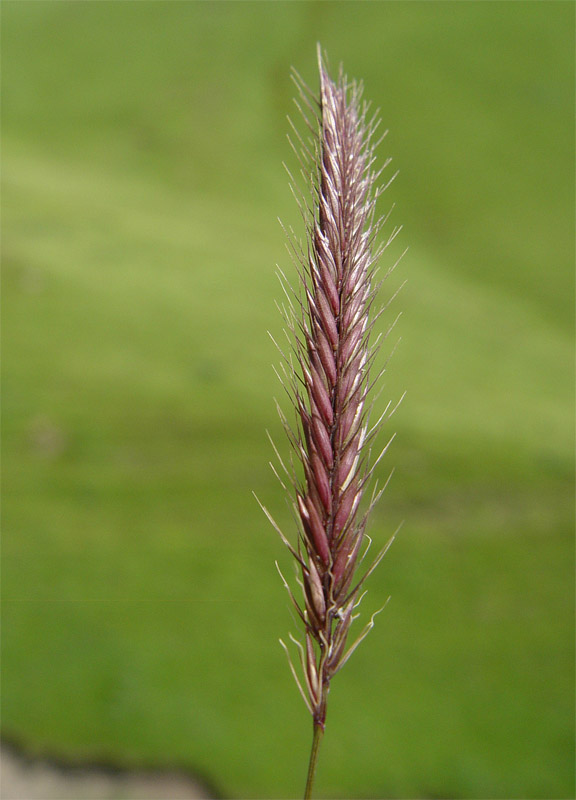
x=142 y=180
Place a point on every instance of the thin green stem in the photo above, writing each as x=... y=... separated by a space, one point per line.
x=318 y=732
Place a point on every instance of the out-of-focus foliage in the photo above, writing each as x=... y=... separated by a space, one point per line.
x=142 y=150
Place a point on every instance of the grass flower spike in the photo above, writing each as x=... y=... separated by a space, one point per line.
x=328 y=377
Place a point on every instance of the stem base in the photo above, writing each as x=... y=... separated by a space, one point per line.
x=317 y=738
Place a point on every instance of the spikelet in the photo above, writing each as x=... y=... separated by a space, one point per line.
x=328 y=373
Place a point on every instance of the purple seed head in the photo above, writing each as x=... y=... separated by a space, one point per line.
x=330 y=320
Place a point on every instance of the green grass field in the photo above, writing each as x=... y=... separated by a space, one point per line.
x=142 y=178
